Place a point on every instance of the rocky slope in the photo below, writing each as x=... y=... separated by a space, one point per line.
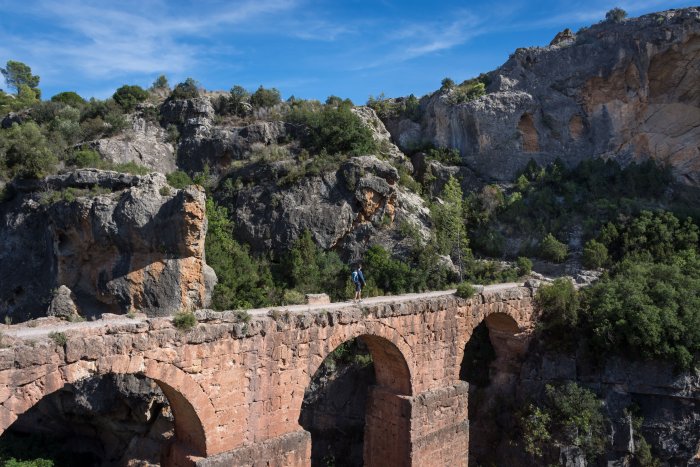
x=103 y=242
x=617 y=90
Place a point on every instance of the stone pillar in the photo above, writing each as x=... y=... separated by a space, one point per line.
x=289 y=450
x=387 y=439
x=440 y=427
x=430 y=429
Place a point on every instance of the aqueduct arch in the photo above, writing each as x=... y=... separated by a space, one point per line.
x=188 y=402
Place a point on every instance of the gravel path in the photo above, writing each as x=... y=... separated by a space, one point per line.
x=43 y=329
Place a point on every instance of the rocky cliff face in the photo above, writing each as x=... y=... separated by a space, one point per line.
x=666 y=402
x=616 y=90
x=118 y=242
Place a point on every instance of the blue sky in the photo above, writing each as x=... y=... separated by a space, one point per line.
x=306 y=48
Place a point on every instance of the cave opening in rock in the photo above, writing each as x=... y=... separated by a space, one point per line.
x=102 y=420
x=351 y=409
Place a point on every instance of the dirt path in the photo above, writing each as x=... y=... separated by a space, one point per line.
x=50 y=325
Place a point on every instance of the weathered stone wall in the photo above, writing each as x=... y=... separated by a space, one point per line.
x=233 y=385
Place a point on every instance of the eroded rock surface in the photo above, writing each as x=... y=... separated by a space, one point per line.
x=120 y=243
x=616 y=90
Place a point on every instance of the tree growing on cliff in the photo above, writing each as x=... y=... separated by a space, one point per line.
x=17 y=73
x=24 y=152
x=265 y=97
x=448 y=219
x=128 y=96
x=615 y=15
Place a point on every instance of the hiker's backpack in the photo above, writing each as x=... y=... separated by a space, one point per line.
x=355 y=277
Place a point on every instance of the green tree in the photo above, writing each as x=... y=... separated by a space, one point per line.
x=25 y=153
x=595 y=254
x=558 y=304
x=447 y=83
x=244 y=282
x=265 y=97
x=188 y=89
x=128 y=96
x=524 y=266
x=17 y=73
x=552 y=249
x=160 y=82
x=337 y=130
x=69 y=98
x=450 y=231
x=615 y=15
x=239 y=100
x=303 y=259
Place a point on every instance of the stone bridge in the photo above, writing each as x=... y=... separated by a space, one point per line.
x=236 y=382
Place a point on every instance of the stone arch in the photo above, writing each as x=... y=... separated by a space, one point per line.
x=192 y=410
x=389 y=351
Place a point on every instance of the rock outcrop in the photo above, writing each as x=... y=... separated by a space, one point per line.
x=145 y=143
x=120 y=243
x=616 y=90
x=344 y=210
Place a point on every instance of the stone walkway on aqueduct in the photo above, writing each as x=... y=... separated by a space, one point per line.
x=236 y=388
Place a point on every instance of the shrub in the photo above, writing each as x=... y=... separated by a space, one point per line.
x=595 y=254
x=69 y=98
x=184 y=320
x=558 y=304
x=447 y=83
x=647 y=309
x=293 y=297
x=334 y=129
x=164 y=190
x=570 y=415
x=160 y=82
x=86 y=158
x=465 y=290
x=178 y=179
x=128 y=96
x=552 y=249
x=265 y=97
x=615 y=15
x=244 y=282
x=188 y=89
x=59 y=338
x=131 y=168
x=524 y=266
x=25 y=151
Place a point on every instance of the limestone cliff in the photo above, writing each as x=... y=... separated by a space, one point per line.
x=120 y=243
x=623 y=90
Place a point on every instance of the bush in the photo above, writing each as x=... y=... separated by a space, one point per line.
x=184 y=320
x=178 y=179
x=558 y=304
x=87 y=158
x=552 y=249
x=615 y=15
x=24 y=151
x=524 y=266
x=465 y=290
x=570 y=416
x=447 y=83
x=595 y=254
x=244 y=282
x=647 y=309
x=293 y=297
x=188 y=89
x=335 y=130
x=128 y=96
x=69 y=98
x=265 y=97
x=59 y=338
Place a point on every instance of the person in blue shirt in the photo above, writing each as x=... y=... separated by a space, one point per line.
x=359 y=280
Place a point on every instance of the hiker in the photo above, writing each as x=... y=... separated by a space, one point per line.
x=359 y=280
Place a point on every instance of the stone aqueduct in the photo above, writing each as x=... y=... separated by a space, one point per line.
x=236 y=388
